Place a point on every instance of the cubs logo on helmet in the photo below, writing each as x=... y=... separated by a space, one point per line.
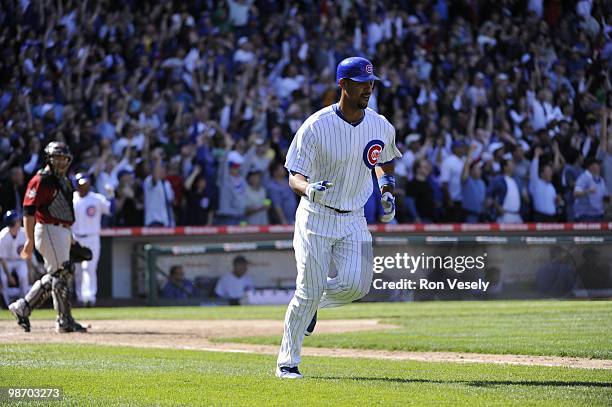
x=371 y=153
x=357 y=69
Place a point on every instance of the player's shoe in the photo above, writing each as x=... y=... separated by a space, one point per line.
x=286 y=372
x=310 y=328
x=69 y=326
x=18 y=309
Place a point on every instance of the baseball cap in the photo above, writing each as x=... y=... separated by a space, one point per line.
x=234 y=158
x=357 y=69
x=493 y=147
x=11 y=218
x=411 y=138
x=82 y=178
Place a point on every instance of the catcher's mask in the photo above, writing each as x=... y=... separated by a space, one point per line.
x=54 y=150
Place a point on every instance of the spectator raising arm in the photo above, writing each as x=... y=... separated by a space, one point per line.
x=534 y=177
x=465 y=173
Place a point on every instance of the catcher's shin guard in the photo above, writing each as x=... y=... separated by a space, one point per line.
x=21 y=310
x=39 y=293
x=61 y=302
x=61 y=299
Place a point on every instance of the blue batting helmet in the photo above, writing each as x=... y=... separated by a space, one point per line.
x=82 y=178
x=10 y=218
x=357 y=69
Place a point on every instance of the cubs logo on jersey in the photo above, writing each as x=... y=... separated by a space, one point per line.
x=371 y=153
x=91 y=211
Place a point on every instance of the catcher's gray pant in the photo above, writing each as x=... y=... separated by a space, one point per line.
x=323 y=236
x=53 y=242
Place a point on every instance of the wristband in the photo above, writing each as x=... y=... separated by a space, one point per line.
x=387 y=180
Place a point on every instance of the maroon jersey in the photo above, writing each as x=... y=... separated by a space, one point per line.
x=51 y=197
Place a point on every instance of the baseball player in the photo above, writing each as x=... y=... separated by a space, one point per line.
x=88 y=210
x=48 y=215
x=330 y=160
x=12 y=240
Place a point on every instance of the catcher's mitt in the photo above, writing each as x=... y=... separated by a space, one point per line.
x=79 y=253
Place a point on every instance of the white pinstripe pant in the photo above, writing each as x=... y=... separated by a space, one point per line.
x=85 y=272
x=323 y=236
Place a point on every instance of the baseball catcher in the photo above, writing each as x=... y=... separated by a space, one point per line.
x=48 y=216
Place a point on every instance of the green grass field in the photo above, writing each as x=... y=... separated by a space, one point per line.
x=556 y=328
x=551 y=328
x=103 y=375
x=123 y=376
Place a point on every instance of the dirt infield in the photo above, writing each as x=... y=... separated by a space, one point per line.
x=197 y=335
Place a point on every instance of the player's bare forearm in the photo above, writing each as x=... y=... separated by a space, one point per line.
x=298 y=183
x=382 y=170
x=28 y=224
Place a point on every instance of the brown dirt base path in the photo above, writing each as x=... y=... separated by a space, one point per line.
x=196 y=335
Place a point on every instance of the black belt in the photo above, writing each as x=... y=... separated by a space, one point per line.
x=337 y=210
x=91 y=234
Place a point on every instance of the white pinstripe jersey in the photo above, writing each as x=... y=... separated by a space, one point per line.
x=88 y=211
x=327 y=148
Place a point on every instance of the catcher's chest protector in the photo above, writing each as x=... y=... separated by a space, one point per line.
x=60 y=206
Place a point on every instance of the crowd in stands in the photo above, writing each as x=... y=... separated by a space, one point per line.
x=183 y=111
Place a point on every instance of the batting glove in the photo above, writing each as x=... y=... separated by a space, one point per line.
x=388 y=204
x=316 y=190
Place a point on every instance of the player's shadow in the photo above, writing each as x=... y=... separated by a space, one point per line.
x=473 y=383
